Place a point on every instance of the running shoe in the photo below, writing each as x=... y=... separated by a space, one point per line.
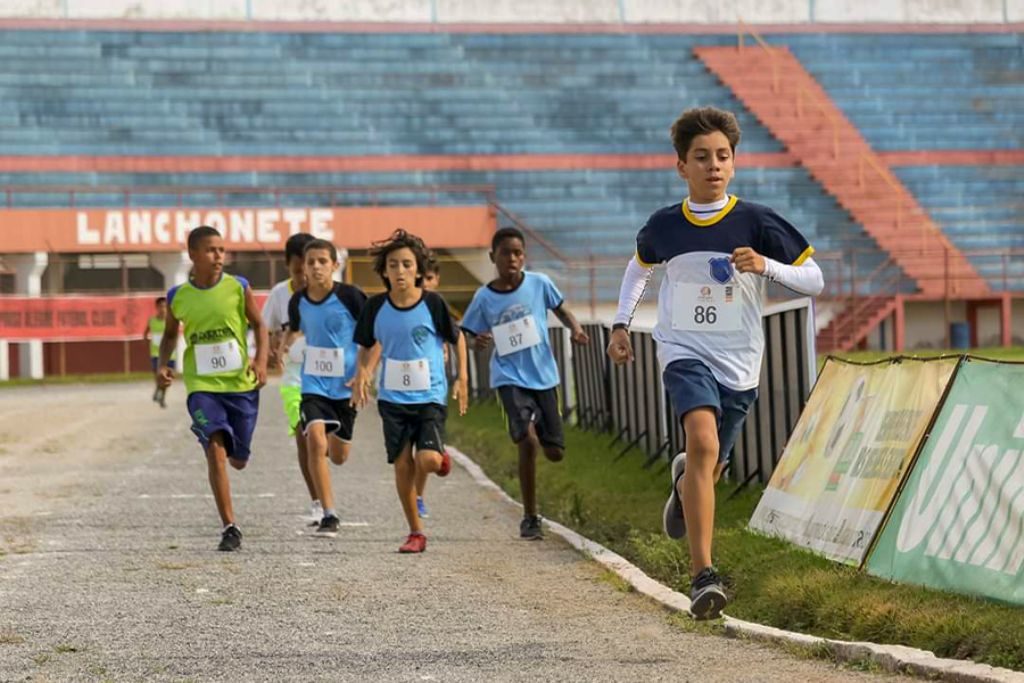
x=328 y=526
x=672 y=519
x=415 y=543
x=230 y=539
x=530 y=528
x=421 y=508
x=316 y=513
x=707 y=595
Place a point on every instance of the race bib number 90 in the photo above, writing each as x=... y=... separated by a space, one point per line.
x=706 y=308
x=214 y=359
x=515 y=336
x=407 y=375
x=322 y=362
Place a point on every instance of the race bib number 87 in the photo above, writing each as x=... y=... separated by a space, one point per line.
x=515 y=336
x=706 y=308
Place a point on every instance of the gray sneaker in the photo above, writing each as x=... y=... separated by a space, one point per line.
x=672 y=520
x=707 y=596
x=530 y=528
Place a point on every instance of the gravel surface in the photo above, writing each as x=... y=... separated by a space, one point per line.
x=108 y=569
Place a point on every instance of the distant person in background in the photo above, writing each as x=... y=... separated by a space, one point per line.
x=275 y=315
x=153 y=334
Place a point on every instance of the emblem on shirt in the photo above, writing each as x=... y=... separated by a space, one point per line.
x=721 y=269
x=420 y=334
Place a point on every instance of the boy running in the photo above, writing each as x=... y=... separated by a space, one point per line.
x=275 y=315
x=431 y=282
x=153 y=335
x=720 y=252
x=511 y=313
x=325 y=312
x=412 y=326
x=222 y=383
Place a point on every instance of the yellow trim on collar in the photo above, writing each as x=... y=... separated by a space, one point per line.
x=642 y=262
x=808 y=252
x=704 y=222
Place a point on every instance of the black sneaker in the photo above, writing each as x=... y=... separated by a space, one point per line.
x=230 y=539
x=707 y=595
x=161 y=397
x=530 y=528
x=328 y=526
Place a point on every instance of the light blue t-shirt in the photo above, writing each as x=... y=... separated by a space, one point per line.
x=329 y=326
x=414 y=335
x=527 y=360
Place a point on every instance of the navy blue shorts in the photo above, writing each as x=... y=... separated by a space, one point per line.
x=691 y=385
x=155 y=362
x=233 y=414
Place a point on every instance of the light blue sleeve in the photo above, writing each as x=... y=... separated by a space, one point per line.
x=552 y=296
x=473 y=321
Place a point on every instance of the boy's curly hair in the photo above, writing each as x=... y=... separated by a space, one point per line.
x=701 y=121
x=399 y=239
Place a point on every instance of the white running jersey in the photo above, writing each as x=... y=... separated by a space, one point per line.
x=706 y=310
x=275 y=315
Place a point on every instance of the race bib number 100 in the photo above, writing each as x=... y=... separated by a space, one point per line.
x=213 y=359
x=407 y=375
x=706 y=308
x=323 y=362
x=515 y=336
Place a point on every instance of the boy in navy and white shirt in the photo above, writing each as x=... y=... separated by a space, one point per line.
x=412 y=326
x=511 y=312
x=325 y=312
x=720 y=252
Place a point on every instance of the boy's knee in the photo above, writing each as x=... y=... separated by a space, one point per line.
x=428 y=461
x=554 y=453
x=339 y=451
x=238 y=464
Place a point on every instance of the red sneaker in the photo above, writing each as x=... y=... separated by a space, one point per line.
x=416 y=543
x=446 y=465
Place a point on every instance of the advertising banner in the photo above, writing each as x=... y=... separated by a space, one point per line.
x=958 y=523
x=848 y=454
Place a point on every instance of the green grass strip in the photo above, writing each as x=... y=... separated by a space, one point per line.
x=102 y=378
x=618 y=504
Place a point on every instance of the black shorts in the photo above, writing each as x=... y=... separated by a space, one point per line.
x=540 y=407
x=337 y=414
x=421 y=424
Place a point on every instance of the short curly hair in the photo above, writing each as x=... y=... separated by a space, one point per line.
x=701 y=121
x=399 y=239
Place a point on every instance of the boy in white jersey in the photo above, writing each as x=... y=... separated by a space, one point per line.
x=719 y=252
x=412 y=326
x=275 y=316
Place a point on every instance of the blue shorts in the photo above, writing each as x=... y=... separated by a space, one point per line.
x=233 y=414
x=691 y=385
x=155 y=362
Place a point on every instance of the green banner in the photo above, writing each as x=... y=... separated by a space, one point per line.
x=958 y=523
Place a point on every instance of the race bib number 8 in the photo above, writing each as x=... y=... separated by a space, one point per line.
x=214 y=359
x=706 y=308
x=515 y=336
x=407 y=375
x=322 y=362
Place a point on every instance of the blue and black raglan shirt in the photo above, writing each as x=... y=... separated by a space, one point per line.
x=518 y=319
x=412 y=347
x=328 y=325
x=706 y=310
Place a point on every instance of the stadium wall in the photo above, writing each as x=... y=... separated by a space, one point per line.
x=531 y=11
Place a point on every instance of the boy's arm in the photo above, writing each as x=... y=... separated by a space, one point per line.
x=259 y=330
x=360 y=383
x=164 y=374
x=805 y=278
x=461 y=393
x=576 y=331
x=631 y=293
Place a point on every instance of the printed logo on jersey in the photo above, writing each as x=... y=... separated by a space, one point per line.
x=513 y=312
x=721 y=269
x=420 y=334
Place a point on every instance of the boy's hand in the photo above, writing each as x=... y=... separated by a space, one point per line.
x=483 y=341
x=164 y=377
x=360 y=386
x=259 y=371
x=274 y=359
x=747 y=260
x=461 y=394
x=620 y=350
x=580 y=336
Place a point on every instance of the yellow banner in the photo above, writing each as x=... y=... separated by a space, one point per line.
x=848 y=454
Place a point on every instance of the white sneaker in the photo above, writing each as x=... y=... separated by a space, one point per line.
x=316 y=513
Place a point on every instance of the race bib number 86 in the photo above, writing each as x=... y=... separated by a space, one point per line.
x=706 y=308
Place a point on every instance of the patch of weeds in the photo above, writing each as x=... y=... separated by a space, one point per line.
x=41 y=658
x=615 y=581
x=685 y=622
x=222 y=601
x=10 y=638
x=174 y=566
x=64 y=648
x=97 y=670
x=172 y=547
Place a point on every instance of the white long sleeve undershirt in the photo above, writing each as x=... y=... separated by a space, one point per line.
x=804 y=279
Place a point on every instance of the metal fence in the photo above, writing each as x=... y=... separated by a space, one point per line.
x=630 y=404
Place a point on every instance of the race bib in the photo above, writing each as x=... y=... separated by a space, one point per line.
x=213 y=359
x=706 y=308
x=515 y=336
x=322 y=362
x=407 y=375
x=155 y=338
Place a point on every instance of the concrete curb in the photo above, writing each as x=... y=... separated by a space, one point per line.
x=893 y=658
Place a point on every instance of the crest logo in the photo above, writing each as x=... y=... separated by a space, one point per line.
x=721 y=269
